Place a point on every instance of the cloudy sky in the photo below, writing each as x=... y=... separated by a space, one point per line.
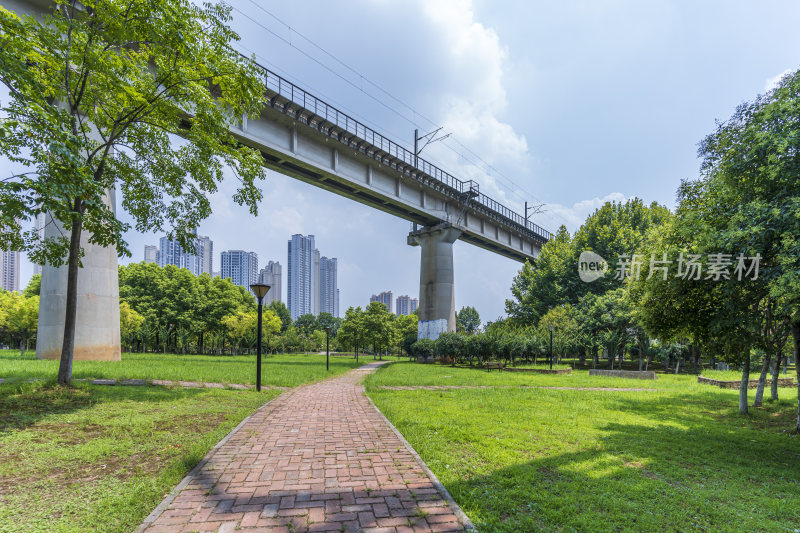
x=567 y=104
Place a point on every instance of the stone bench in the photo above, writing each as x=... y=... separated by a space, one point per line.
x=630 y=374
x=735 y=384
x=538 y=370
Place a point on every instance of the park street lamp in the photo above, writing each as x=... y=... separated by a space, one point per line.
x=260 y=290
x=327 y=349
x=551 y=346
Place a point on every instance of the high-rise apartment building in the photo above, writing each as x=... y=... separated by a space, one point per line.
x=384 y=297
x=197 y=261
x=205 y=254
x=406 y=305
x=301 y=260
x=315 y=287
x=240 y=266
x=9 y=270
x=328 y=286
x=272 y=275
x=151 y=254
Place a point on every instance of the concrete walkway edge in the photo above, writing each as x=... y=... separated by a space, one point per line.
x=462 y=516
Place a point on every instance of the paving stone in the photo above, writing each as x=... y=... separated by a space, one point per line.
x=317 y=458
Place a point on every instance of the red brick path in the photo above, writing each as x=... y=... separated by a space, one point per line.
x=317 y=458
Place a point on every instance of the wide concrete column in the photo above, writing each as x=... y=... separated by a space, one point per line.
x=97 y=335
x=437 y=303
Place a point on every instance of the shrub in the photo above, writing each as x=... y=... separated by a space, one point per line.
x=423 y=349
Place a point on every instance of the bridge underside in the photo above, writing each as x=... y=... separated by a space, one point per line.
x=346 y=168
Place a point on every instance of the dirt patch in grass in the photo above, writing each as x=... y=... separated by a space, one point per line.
x=195 y=423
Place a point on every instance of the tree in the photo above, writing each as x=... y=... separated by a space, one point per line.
x=468 y=320
x=282 y=312
x=379 y=328
x=352 y=328
x=750 y=166
x=270 y=326
x=98 y=92
x=22 y=317
x=239 y=326
x=33 y=286
x=566 y=333
x=449 y=346
x=306 y=324
x=407 y=331
x=611 y=231
x=327 y=320
x=130 y=322
x=423 y=349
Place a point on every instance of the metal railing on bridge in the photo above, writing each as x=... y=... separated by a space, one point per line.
x=324 y=111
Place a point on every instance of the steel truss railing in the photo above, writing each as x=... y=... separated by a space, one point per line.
x=307 y=108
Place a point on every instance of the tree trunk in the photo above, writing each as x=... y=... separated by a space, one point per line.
x=68 y=346
x=582 y=356
x=595 y=357
x=796 y=353
x=775 y=370
x=713 y=362
x=647 y=364
x=744 y=384
x=762 y=380
x=23 y=343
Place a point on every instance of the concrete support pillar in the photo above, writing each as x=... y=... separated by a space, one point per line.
x=97 y=335
x=437 y=304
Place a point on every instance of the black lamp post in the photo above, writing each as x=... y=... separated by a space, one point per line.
x=357 y=350
x=260 y=290
x=327 y=348
x=551 y=346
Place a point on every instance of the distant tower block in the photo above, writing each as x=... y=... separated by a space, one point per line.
x=97 y=325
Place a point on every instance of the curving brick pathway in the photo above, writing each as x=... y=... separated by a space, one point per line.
x=318 y=458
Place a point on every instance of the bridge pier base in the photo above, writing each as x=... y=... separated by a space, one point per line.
x=97 y=329
x=437 y=304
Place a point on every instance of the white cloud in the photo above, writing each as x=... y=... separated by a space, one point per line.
x=474 y=98
x=576 y=214
x=772 y=82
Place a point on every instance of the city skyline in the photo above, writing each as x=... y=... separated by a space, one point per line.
x=312 y=281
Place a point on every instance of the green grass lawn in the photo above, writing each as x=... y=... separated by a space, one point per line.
x=278 y=370
x=99 y=458
x=678 y=458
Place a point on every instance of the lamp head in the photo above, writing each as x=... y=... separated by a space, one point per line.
x=260 y=290
x=551 y=328
x=328 y=330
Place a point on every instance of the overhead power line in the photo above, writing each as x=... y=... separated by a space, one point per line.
x=481 y=163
